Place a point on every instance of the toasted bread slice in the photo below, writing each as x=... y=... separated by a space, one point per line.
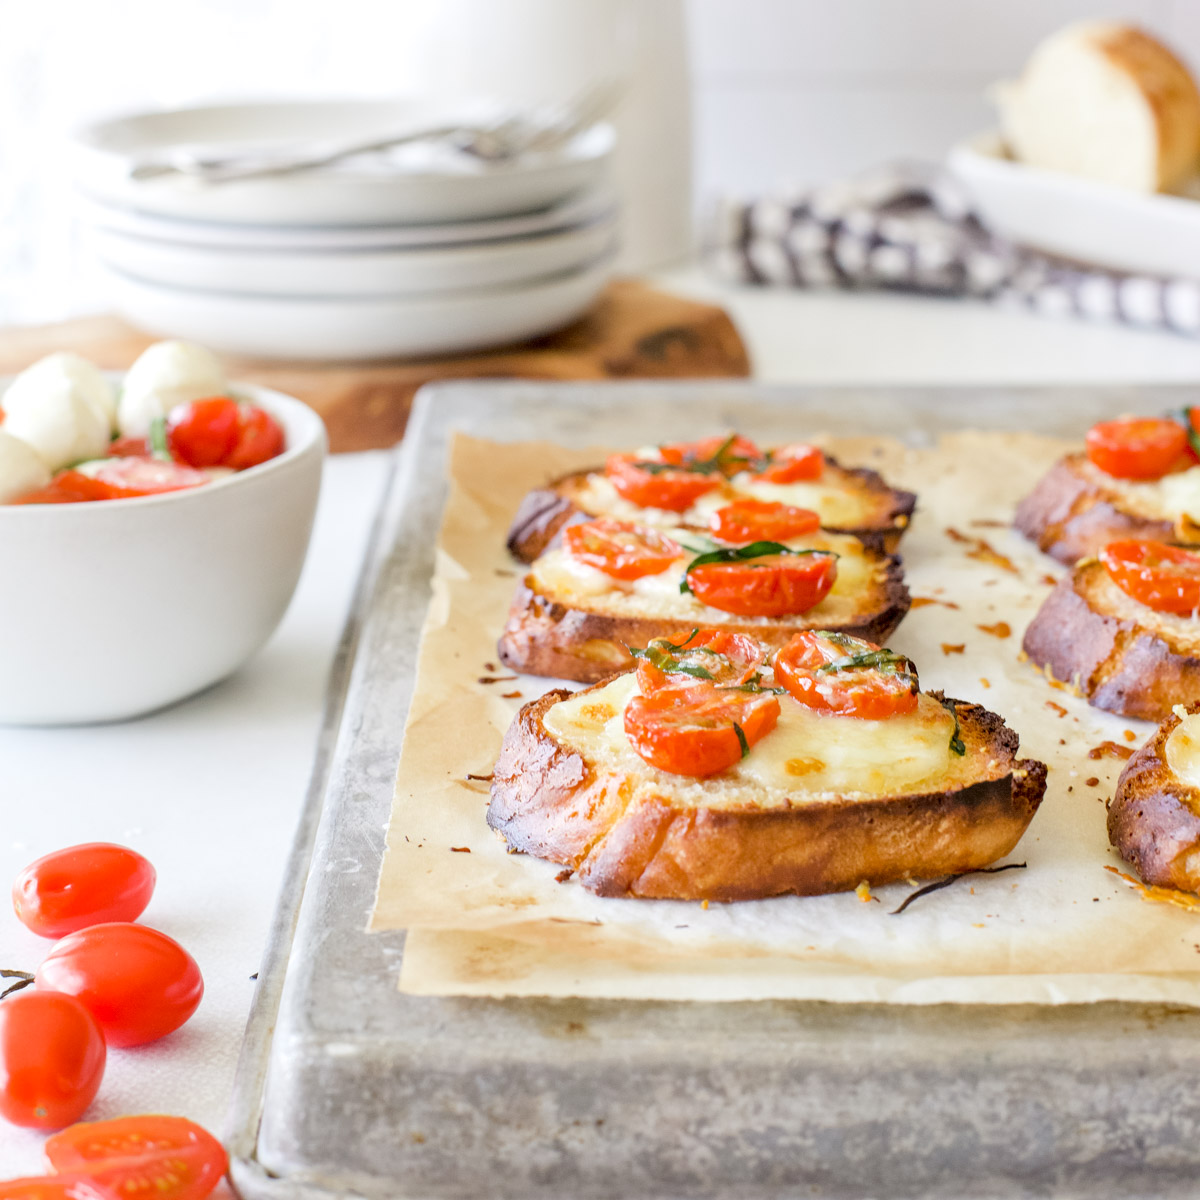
x=569 y=621
x=1123 y=656
x=821 y=804
x=1077 y=509
x=1154 y=816
x=853 y=500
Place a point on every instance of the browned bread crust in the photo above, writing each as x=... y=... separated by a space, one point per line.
x=544 y=511
x=1071 y=514
x=1154 y=818
x=550 y=802
x=545 y=637
x=1122 y=656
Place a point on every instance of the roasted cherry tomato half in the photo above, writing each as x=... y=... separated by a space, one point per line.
x=51 y=1059
x=142 y=1158
x=55 y=1187
x=795 y=463
x=220 y=432
x=700 y=730
x=651 y=484
x=1137 y=447
x=868 y=692
x=138 y=983
x=708 y=656
x=746 y=521
x=772 y=585
x=725 y=455
x=80 y=886
x=620 y=548
x=1162 y=577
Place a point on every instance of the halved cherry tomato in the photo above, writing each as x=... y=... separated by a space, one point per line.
x=260 y=439
x=115 y=479
x=55 y=1187
x=138 y=983
x=620 y=548
x=865 y=692
x=652 y=485
x=793 y=463
x=147 y=1157
x=762 y=521
x=708 y=655
x=220 y=432
x=1137 y=447
x=128 y=447
x=772 y=585
x=67 y=487
x=82 y=885
x=1162 y=577
x=694 y=731
x=727 y=454
x=51 y=1059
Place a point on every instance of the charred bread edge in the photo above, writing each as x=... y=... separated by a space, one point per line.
x=1153 y=820
x=1116 y=664
x=548 y=802
x=544 y=637
x=545 y=510
x=1070 y=517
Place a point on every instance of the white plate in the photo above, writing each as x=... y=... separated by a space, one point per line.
x=1076 y=218
x=412 y=185
x=353 y=273
x=380 y=327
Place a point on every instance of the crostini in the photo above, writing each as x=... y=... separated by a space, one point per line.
x=685 y=483
x=605 y=588
x=721 y=769
x=1137 y=479
x=1154 y=815
x=1123 y=629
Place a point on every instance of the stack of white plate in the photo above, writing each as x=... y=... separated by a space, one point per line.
x=420 y=250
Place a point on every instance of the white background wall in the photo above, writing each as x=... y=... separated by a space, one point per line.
x=784 y=91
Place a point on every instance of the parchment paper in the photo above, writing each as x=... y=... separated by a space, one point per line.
x=483 y=921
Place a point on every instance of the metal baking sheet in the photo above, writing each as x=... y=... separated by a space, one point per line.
x=348 y=1088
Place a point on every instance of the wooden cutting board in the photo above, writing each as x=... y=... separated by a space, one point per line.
x=633 y=332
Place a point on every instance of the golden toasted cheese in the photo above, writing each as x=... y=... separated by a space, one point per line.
x=1182 y=751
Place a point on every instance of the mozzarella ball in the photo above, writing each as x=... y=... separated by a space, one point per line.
x=22 y=468
x=167 y=374
x=66 y=369
x=57 y=422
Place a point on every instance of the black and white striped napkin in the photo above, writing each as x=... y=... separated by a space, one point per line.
x=911 y=228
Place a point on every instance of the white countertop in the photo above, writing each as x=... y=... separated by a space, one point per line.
x=210 y=789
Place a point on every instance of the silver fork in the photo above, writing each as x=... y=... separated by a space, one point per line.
x=546 y=128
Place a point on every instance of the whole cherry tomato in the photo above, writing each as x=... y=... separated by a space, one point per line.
x=620 y=548
x=1165 y=578
x=82 y=885
x=138 y=983
x=700 y=730
x=746 y=521
x=1137 y=447
x=51 y=1059
x=885 y=685
x=220 y=432
x=55 y=1187
x=709 y=655
x=148 y=1157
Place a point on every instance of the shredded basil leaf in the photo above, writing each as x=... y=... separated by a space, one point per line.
x=157 y=439
x=1184 y=417
x=957 y=745
x=886 y=661
x=741 y=736
x=658 y=657
x=729 y=554
x=718 y=463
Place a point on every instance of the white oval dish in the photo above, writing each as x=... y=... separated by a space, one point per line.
x=352 y=273
x=115 y=608
x=1076 y=218
x=412 y=185
x=360 y=329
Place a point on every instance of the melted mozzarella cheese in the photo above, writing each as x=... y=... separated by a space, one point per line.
x=1183 y=751
x=806 y=753
x=1181 y=494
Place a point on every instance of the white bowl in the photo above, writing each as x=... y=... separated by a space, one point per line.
x=115 y=608
x=360 y=329
x=411 y=185
x=352 y=273
x=1076 y=218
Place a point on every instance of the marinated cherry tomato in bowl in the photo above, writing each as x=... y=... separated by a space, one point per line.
x=846 y=676
x=1162 y=577
x=1138 y=447
x=52 y=1055
x=710 y=655
x=152 y=1157
x=746 y=521
x=620 y=549
x=220 y=432
x=55 y=1187
x=795 y=463
x=82 y=885
x=764 y=579
x=138 y=983
x=700 y=730
x=115 y=479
